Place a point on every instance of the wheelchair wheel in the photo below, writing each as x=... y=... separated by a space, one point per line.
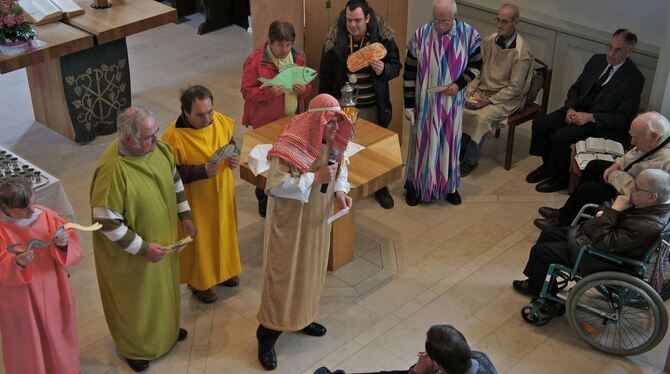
x=617 y=313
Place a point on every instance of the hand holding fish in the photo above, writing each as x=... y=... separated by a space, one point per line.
x=277 y=90
x=299 y=89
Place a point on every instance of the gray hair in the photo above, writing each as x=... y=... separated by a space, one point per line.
x=515 y=9
x=655 y=123
x=628 y=37
x=658 y=182
x=16 y=193
x=451 y=3
x=128 y=122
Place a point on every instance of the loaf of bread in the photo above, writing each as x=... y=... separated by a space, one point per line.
x=361 y=58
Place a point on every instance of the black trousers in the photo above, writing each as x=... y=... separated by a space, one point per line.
x=551 y=139
x=592 y=189
x=552 y=248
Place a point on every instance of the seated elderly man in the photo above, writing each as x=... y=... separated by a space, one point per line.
x=447 y=351
x=500 y=89
x=628 y=228
x=604 y=180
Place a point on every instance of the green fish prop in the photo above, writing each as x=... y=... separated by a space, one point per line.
x=289 y=76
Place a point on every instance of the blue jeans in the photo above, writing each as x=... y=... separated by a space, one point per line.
x=473 y=151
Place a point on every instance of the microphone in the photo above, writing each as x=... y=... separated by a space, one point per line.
x=331 y=160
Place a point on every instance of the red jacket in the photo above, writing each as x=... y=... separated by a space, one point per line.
x=260 y=105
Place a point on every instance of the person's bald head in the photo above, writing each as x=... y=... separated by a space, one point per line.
x=444 y=12
x=506 y=20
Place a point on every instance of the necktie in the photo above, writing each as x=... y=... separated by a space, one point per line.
x=603 y=78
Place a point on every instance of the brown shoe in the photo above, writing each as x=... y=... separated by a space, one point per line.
x=232 y=282
x=206 y=297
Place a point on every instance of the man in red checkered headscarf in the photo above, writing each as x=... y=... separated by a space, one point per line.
x=303 y=189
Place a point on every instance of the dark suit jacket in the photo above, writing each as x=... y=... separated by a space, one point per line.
x=617 y=103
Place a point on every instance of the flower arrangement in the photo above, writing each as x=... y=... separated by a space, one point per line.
x=14 y=26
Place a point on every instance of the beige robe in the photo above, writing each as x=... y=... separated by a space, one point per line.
x=505 y=79
x=295 y=255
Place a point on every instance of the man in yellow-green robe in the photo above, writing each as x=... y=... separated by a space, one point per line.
x=138 y=197
x=210 y=189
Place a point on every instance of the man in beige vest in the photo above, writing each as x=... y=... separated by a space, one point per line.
x=501 y=87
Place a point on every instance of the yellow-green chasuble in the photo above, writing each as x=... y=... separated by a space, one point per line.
x=141 y=299
x=214 y=256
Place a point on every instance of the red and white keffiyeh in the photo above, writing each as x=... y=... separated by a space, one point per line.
x=300 y=141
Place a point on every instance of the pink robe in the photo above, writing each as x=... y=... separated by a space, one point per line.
x=37 y=319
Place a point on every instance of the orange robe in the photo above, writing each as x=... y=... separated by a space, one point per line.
x=37 y=309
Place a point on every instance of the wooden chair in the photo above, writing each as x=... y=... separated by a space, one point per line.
x=531 y=111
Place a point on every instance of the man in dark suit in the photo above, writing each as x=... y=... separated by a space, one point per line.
x=601 y=103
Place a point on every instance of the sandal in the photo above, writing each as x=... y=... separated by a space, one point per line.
x=206 y=297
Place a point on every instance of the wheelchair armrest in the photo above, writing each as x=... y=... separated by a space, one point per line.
x=609 y=257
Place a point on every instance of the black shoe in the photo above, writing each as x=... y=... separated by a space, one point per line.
x=538 y=175
x=267 y=356
x=548 y=213
x=384 y=198
x=454 y=198
x=138 y=365
x=522 y=287
x=322 y=370
x=315 y=329
x=552 y=184
x=466 y=169
x=410 y=196
x=266 y=347
x=182 y=335
x=262 y=207
x=545 y=224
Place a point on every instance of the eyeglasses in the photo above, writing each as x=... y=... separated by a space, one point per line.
x=149 y=138
x=636 y=188
x=442 y=21
x=502 y=20
x=331 y=124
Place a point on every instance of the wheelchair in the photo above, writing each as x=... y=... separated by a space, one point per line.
x=615 y=312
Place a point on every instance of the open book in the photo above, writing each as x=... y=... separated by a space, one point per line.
x=40 y=12
x=599 y=145
x=596 y=149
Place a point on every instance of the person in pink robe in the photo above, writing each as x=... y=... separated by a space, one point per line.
x=37 y=320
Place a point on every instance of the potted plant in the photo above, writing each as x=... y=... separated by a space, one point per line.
x=14 y=27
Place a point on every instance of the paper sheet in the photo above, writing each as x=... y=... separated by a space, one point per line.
x=436 y=89
x=178 y=246
x=340 y=213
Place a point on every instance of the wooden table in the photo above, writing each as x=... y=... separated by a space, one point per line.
x=378 y=165
x=125 y=17
x=80 y=79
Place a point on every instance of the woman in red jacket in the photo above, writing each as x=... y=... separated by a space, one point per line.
x=266 y=104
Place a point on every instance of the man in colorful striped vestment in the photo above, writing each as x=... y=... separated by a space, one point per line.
x=443 y=56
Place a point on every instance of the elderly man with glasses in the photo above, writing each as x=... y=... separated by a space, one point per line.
x=138 y=197
x=627 y=228
x=443 y=56
x=501 y=87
